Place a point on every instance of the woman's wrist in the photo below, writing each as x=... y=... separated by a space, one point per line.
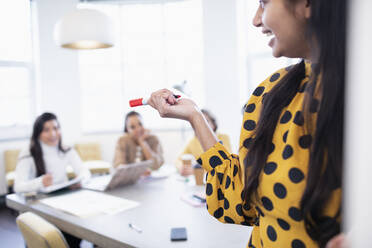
x=196 y=118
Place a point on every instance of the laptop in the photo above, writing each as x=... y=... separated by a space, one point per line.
x=122 y=175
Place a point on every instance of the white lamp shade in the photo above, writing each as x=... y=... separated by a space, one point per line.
x=84 y=29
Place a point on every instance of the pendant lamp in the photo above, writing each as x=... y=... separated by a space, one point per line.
x=84 y=29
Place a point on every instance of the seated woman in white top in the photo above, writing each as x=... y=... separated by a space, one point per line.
x=45 y=162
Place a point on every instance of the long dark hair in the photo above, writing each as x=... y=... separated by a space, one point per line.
x=328 y=25
x=35 y=147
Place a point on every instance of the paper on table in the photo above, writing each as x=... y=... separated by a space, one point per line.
x=85 y=203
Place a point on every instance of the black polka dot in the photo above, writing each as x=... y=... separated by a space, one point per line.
x=242 y=195
x=258 y=91
x=287 y=152
x=199 y=161
x=295 y=214
x=220 y=195
x=303 y=88
x=249 y=125
x=236 y=169
x=239 y=210
x=260 y=211
x=209 y=189
x=218 y=213
x=228 y=182
x=296 y=243
x=285 y=136
x=212 y=173
x=314 y=104
x=223 y=154
x=247 y=143
x=267 y=203
x=220 y=177
x=272 y=148
x=233 y=185
x=215 y=161
x=287 y=116
x=299 y=118
x=305 y=141
x=271 y=233
x=270 y=167
x=246 y=206
x=274 y=77
x=296 y=175
x=283 y=224
x=280 y=190
x=226 y=204
x=228 y=220
x=250 y=108
x=245 y=223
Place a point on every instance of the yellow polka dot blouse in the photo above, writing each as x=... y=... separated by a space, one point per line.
x=276 y=217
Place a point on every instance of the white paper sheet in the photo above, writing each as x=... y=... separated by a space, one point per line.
x=86 y=203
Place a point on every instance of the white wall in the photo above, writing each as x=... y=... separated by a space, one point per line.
x=59 y=71
x=221 y=67
x=358 y=160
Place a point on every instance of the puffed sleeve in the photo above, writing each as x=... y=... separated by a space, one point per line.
x=224 y=187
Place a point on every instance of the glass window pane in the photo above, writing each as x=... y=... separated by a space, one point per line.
x=15 y=26
x=15 y=96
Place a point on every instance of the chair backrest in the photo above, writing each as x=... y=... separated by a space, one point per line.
x=89 y=151
x=39 y=233
x=10 y=159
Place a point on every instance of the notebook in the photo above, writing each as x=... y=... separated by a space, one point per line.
x=122 y=175
x=59 y=186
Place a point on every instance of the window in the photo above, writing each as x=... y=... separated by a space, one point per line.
x=158 y=46
x=16 y=69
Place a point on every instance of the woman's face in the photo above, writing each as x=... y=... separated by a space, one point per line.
x=285 y=21
x=134 y=126
x=51 y=134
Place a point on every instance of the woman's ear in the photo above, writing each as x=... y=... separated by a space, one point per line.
x=303 y=9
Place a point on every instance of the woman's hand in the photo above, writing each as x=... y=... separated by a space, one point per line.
x=47 y=180
x=168 y=106
x=143 y=136
x=338 y=241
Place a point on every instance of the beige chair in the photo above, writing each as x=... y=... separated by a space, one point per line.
x=10 y=160
x=39 y=233
x=90 y=153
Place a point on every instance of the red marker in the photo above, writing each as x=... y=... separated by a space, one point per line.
x=143 y=101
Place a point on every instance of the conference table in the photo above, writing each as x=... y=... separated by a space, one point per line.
x=160 y=209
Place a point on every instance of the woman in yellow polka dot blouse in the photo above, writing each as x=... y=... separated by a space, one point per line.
x=286 y=181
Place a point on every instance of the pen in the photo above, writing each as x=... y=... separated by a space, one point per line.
x=199 y=198
x=135 y=228
x=143 y=101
